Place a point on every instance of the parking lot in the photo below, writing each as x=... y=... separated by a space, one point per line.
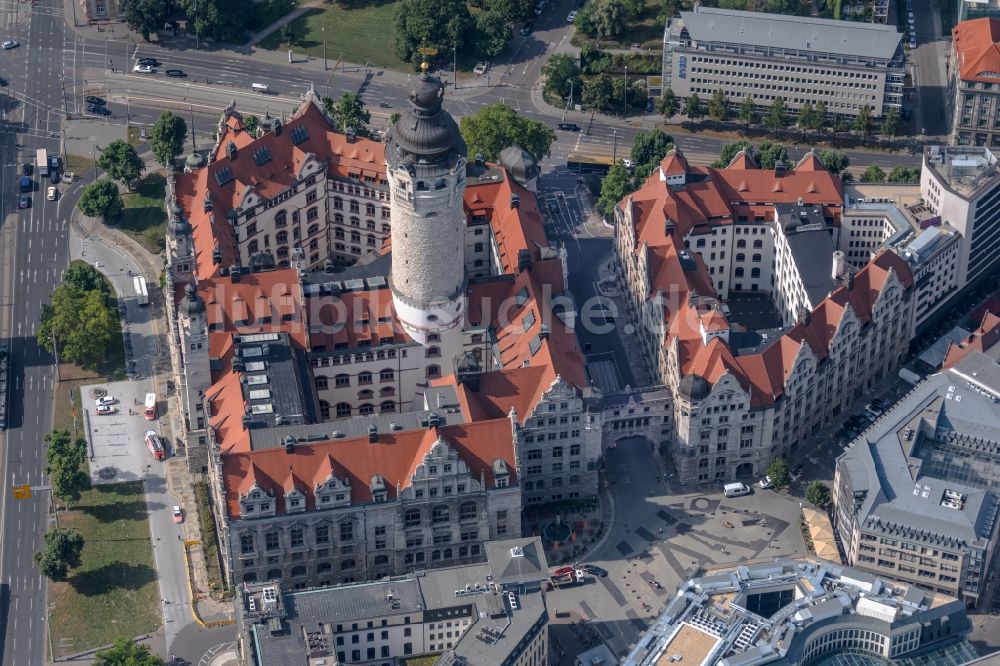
x=116 y=442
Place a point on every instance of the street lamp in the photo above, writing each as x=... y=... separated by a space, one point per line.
x=625 y=95
x=323 y=30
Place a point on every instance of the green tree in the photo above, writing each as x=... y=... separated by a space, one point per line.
x=122 y=163
x=60 y=554
x=730 y=150
x=167 y=137
x=86 y=278
x=777 y=469
x=101 y=199
x=609 y=18
x=223 y=20
x=769 y=154
x=64 y=459
x=634 y=8
x=126 y=652
x=614 y=187
x=835 y=161
x=668 y=105
x=288 y=34
x=839 y=123
x=394 y=118
x=144 y=16
x=81 y=323
x=821 y=114
x=718 y=106
x=902 y=174
x=863 y=121
x=809 y=118
x=873 y=174
x=777 y=115
x=598 y=92
x=818 y=494
x=648 y=149
x=693 y=108
x=562 y=74
x=748 y=111
x=890 y=123
x=349 y=112
x=495 y=127
x=251 y=124
x=438 y=24
x=492 y=31
x=511 y=10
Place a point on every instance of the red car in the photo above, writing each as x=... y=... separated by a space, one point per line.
x=562 y=571
x=178 y=515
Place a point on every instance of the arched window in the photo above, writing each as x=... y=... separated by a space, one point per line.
x=338 y=203
x=440 y=514
x=282 y=251
x=411 y=518
x=408 y=558
x=741 y=243
x=385 y=228
x=474 y=550
x=419 y=558
x=281 y=237
x=253 y=247
x=478 y=247
x=343 y=409
x=574 y=480
x=312 y=214
x=371 y=240
x=355 y=222
x=447 y=553
x=467 y=511
x=700 y=243
x=387 y=391
x=343 y=379
x=370 y=210
x=364 y=377
x=739 y=271
x=740 y=256
x=298 y=571
x=280 y=219
x=322 y=383
x=755 y=272
x=386 y=375
x=323 y=567
x=324 y=410
x=275 y=574
x=366 y=394
x=758 y=244
x=387 y=407
x=381 y=560
x=347 y=564
x=355 y=237
x=433 y=352
x=338 y=218
x=435 y=556
x=463 y=551
x=433 y=371
x=366 y=409
x=313 y=229
x=756 y=258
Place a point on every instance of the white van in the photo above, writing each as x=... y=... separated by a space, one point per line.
x=736 y=489
x=259 y=87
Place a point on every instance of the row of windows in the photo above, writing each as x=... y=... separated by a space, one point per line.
x=756 y=64
x=345 y=409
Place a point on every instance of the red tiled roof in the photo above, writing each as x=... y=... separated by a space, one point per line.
x=515 y=229
x=394 y=457
x=982 y=340
x=674 y=163
x=977 y=49
x=351 y=317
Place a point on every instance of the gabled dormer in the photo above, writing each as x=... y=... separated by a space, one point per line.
x=501 y=473
x=295 y=494
x=310 y=164
x=249 y=199
x=380 y=493
x=331 y=490
x=256 y=501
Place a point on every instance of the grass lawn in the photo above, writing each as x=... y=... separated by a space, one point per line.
x=267 y=12
x=114 y=592
x=78 y=164
x=144 y=217
x=349 y=35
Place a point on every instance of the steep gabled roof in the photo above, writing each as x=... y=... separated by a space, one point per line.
x=977 y=49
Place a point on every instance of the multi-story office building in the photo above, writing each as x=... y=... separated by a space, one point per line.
x=962 y=186
x=744 y=308
x=481 y=615
x=845 y=64
x=797 y=611
x=387 y=416
x=973 y=89
x=916 y=496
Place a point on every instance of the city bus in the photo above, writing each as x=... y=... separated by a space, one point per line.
x=599 y=164
x=141 y=292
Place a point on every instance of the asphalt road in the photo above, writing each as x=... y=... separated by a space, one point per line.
x=35 y=252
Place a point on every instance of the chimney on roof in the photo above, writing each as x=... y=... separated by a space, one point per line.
x=290 y=444
x=671 y=227
x=480 y=160
x=231 y=150
x=372 y=433
x=245 y=421
x=779 y=169
x=277 y=127
x=234 y=273
x=850 y=281
x=523 y=260
x=802 y=201
x=351 y=134
x=515 y=201
x=543 y=332
x=216 y=256
x=838 y=264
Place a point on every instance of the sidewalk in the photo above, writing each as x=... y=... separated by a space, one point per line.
x=285 y=20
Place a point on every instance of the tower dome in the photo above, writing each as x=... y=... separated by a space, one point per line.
x=425 y=133
x=191 y=305
x=179 y=225
x=693 y=387
x=520 y=164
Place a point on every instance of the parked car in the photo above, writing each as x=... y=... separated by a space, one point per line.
x=568 y=127
x=106 y=400
x=105 y=410
x=98 y=110
x=562 y=571
x=27 y=169
x=480 y=68
x=913 y=42
x=571 y=16
x=765 y=483
x=594 y=570
x=51 y=193
x=4 y=82
x=95 y=100
x=176 y=73
x=68 y=177
x=23 y=201
x=9 y=44
x=152 y=62
x=143 y=69
x=178 y=514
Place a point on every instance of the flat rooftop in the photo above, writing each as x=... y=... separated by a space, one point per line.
x=965 y=169
x=692 y=645
x=272 y=391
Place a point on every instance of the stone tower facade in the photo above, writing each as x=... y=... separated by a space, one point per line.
x=426 y=161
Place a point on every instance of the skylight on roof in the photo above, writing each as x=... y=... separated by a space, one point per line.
x=262 y=156
x=260 y=394
x=255 y=366
x=529 y=320
x=223 y=175
x=299 y=134
x=534 y=344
